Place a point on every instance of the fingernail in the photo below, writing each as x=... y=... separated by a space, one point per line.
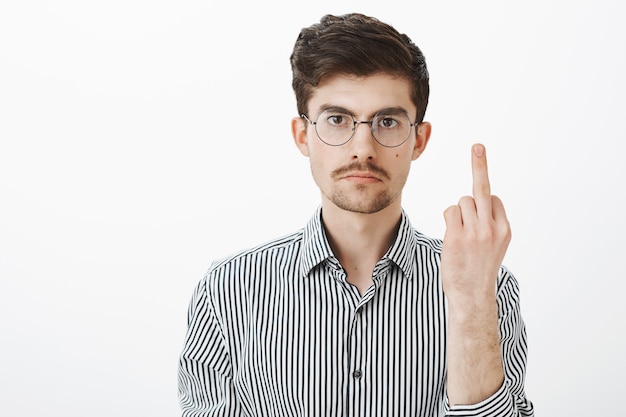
x=479 y=150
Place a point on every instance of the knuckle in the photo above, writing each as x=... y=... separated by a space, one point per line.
x=484 y=188
x=485 y=234
x=505 y=231
x=451 y=212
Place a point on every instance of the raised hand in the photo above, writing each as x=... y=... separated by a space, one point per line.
x=477 y=236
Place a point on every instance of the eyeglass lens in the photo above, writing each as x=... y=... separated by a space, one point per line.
x=389 y=128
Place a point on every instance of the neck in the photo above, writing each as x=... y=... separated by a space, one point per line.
x=360 y=240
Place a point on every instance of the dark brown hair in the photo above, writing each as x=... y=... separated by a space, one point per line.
x=360 y=45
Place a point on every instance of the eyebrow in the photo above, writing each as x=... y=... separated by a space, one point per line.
x=339 y=109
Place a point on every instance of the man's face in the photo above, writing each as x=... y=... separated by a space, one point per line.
x=361 y=175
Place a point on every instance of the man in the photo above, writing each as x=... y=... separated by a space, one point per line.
x=358 y=314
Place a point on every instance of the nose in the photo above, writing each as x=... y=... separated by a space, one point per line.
x=363 y=144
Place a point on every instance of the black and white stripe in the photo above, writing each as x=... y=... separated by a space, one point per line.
x=277 y=331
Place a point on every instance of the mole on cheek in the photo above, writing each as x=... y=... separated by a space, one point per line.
x=397 y=155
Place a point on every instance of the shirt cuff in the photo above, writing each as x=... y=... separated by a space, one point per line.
x=499 y=404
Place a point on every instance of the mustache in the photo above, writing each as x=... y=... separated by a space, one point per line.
x=359 y=166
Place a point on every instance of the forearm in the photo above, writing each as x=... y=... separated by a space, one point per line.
x=475 y=369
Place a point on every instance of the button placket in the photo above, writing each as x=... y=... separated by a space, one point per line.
x=357 y=357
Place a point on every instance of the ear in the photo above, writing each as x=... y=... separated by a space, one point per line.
x=422 y=134
x=298 y=131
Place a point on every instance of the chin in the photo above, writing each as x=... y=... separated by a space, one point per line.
x=363 y=207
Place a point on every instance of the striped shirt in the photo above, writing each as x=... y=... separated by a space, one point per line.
x=278 y=331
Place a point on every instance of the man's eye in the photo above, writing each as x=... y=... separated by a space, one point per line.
x=387 y=122
x=337 y=120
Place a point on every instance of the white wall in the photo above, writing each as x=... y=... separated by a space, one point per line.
x=139 y=140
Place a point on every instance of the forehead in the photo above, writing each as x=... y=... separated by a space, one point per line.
x=362 y=96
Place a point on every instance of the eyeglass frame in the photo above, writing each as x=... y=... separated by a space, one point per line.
x=356 y=122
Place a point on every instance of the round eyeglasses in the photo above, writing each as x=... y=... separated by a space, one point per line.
x=390 y=128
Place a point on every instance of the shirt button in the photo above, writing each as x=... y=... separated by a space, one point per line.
x=357 y=374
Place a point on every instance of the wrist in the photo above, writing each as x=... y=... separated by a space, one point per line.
x=472 y=312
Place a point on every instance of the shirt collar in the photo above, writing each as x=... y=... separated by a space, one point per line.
x=316 y=249
x=315 y=246
x=402 y=250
